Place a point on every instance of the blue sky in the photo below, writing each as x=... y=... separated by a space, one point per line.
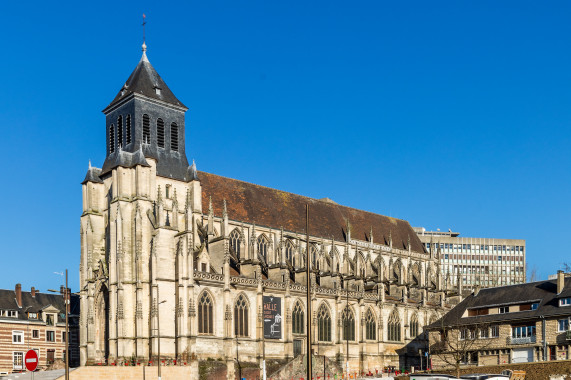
x=446 y=114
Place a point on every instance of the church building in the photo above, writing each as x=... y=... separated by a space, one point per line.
x=199 y=266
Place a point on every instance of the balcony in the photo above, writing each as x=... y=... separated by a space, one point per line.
x=523 y=340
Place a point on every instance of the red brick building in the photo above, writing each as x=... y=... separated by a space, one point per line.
x=35 y=321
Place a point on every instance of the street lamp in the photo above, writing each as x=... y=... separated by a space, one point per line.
x=66 y=303
x=159 y=337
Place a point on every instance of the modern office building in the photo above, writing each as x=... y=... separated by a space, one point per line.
x=480 y=262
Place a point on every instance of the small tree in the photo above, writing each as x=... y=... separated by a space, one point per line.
x=458 y=343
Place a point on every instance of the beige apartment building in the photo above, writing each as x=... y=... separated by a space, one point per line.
x=480 y=262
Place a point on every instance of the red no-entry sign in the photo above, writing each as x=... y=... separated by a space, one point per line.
x=31 y=360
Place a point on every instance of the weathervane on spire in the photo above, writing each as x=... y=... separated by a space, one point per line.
x=143 y=24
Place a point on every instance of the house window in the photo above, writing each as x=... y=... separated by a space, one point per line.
x=32 y=315
x=160 y=133
x=484 y=333
x=394 y=327
x=50 y=336
x=12 y=313
x=235 y=243
x=63 y=336
x=565 y=301
x=49 y=319
x=523 y=331
x=18 y=360
x=241 y=316
x=323 y=324
x=370 y=326
x=18 y=337
x=205 y=315
x=504 y=309
x=297 y=317
x=563 y=325
x=534 y=306
x=120 y=131
x=463 y=334
x=348 y=324
x=146 y=129
x=128 y=130
x=174 y=137
x=36 y=334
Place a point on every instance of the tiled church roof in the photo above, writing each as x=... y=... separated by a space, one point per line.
x=268 y=207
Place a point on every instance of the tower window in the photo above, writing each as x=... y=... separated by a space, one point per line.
x=146 y=129
x=160 y=133
x=128 y=130
x=120 y=131
x=174 y=137
x=112 y=138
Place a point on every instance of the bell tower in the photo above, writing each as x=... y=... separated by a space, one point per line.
x=146 y=120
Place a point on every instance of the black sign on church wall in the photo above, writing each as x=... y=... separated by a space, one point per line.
x=272 y=317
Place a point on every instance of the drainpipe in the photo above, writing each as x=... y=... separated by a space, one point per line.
x=544 y=339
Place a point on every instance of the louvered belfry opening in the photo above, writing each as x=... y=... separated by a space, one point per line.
x=146 y=129
x=160 y=133
x=128 y=130
x=112 y=138
x=120 y=131
x=174 y=137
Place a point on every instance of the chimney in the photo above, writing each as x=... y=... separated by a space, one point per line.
x=62 y=289
x=560 y=281
x=19 y=294
x=476 y=290
x=33 y=291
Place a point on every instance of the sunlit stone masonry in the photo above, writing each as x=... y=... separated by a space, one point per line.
x=214 y=267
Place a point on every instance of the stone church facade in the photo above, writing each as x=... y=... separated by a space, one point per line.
x=186 y=259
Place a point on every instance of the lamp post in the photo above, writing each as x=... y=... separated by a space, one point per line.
x=159 y=336
x=66 y=303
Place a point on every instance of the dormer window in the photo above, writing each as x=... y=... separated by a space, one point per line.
x=49 y=319
x=32 y=315
x=565 y=301
x=157 y=90
x=12 y=313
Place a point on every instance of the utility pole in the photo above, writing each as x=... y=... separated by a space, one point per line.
x=159 y=333
x=308 y=283
x=346 y=323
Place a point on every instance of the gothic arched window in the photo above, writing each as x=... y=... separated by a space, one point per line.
x=120 y=131
x=174 y=137
x=298 y=320
x=413 y=326
x=370 y=325
x=241 y=316
x=235 y=243
x=313 y=256
x=263 y=245
x=323 y=324
x=289 y=251
x=146 y=129
x=348 y=321
x=394 y=327
x=160 y=133
x=205 y=314
x=128 y=130
x=112 y=138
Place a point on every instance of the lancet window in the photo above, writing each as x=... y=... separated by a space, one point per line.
x=205 y=315
x=370 y=325
x=241 y=316
x=160 y=133
x=348 y=324
x=323 y=324
x=298 y=320
x=263 y=246
x=394 y=327
x=235 y=243
x=289 y=251
x=414 y=326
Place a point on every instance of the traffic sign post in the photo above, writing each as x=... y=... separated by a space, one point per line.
x=31 y=360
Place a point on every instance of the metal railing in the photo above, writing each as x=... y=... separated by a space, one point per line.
x=522 y=340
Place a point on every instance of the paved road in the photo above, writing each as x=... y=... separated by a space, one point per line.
x=40 y=375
